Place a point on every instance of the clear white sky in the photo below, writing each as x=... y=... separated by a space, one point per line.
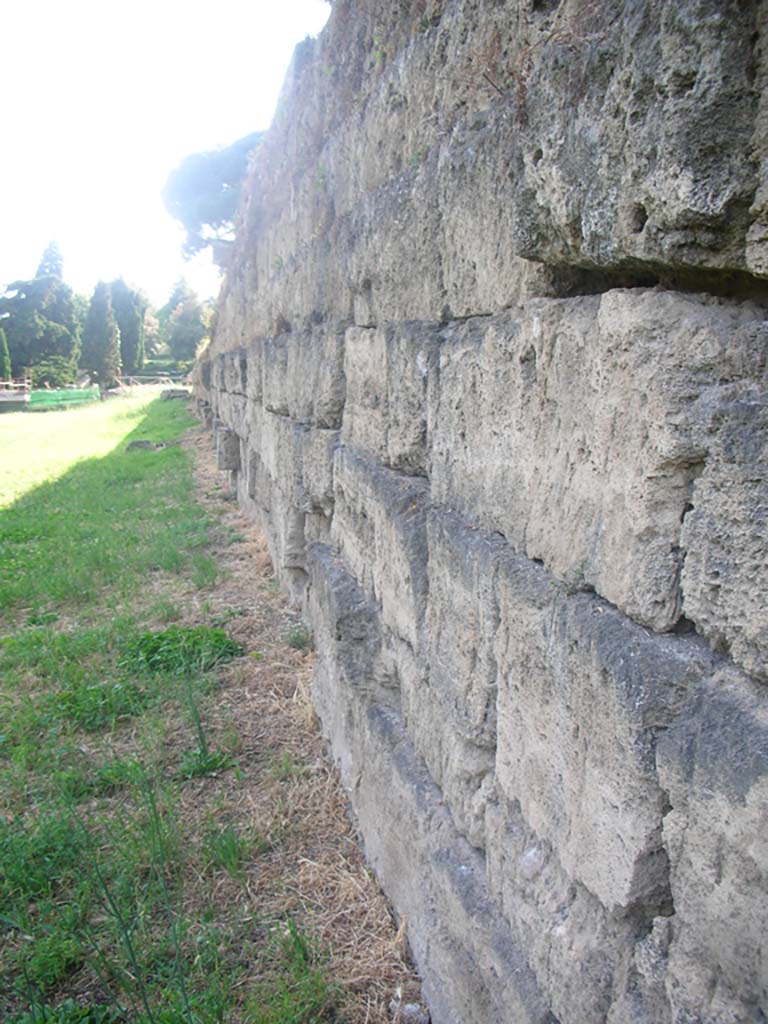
x=101 y=99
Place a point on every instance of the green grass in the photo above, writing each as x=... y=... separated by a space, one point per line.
x=105 y=522
x=104 y=732
x=180 y=650
x=40 y=449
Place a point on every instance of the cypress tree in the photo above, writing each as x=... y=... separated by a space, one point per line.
x=52 y=264
x=101 y=338
x=5 y=357
x=129 y=307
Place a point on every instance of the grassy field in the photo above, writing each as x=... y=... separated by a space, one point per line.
x=36 y=449
x=116 y=840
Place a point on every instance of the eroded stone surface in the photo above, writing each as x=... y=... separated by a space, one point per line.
x=725 y=576
x=714 y=765
x=574 y=429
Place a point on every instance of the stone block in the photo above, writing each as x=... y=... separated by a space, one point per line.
x=379 y=527
x=582 y=693
x=281 y=446
x=254 y=374
x=232 y=409
x=318 y=450
x=218 y=360
x=303 y=376
x=234 y=372
x=577 y=949
x=385 y=414
x=577 y=428
x=725 y=573
x=636 y=138
x=227 y=449
x=713 y=762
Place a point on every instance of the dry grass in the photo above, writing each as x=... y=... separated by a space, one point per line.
x=286 y=788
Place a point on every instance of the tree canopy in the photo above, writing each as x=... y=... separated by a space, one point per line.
x=41 y=323
x=203 y=192
x=184 y=321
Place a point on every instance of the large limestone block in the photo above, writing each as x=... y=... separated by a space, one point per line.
x=385 y=414
x=577 y=949
x=217 y=371
x=379 y=528
x=234 y=376
x=254 y=355
x=714 y=764
x=461 y=767
x=232 y=409
x=725 y=575
x=280 y=448
x=582 y=693
x=348 y=626
x=635 y=126
x=227 y=449
x=573 y=429
x=757 y=236
x=451 y=712
x=303 y=376
x=317 y=454
x=298 y=460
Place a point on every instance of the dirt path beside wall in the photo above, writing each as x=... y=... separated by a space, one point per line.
x=286 y=785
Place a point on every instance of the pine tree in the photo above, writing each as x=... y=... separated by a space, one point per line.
x=52 y=264
x=101 y=338
x=129 y=307
x=5 y=357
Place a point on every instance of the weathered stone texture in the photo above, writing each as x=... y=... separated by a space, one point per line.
x=577 y=430
x=714 y=764
x=491 y=369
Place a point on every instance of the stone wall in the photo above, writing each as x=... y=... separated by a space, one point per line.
x=490 y=366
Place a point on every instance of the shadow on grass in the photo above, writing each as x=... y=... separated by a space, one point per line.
x=106 y=525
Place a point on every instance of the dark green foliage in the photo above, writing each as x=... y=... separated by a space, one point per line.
x=5 y=357
x=68 y=1012
x=101 y=338
x=180 y=650
x=41 y=324
x=196 y=764
x=56 y=371
x=93 y=706
x=129 y=307
x=203 y=192
x=183 y=322
x=187 y=327
x=37 y=858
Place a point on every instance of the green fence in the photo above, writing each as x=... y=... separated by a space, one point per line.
x=49 y=398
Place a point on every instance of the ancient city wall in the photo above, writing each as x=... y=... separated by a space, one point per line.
x=491 y=367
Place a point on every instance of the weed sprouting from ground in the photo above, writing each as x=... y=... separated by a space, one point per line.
x=68 y=1012
x=180 y=650
x=299 y=637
